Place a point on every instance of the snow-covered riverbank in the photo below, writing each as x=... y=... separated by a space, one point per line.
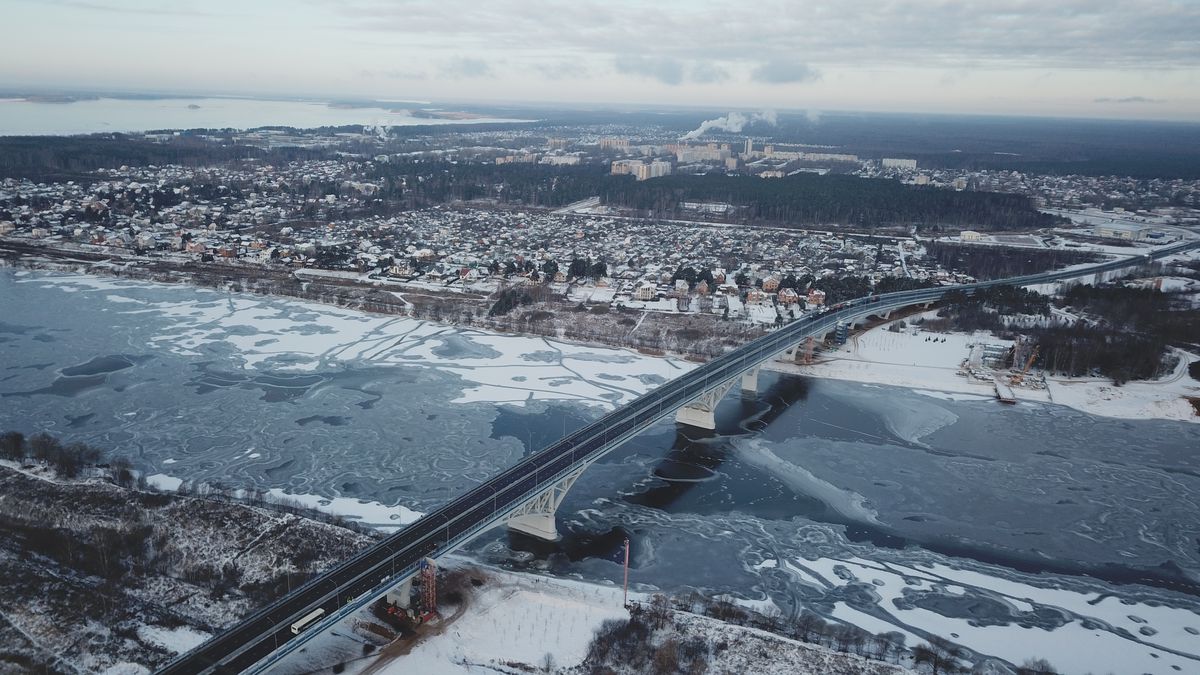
x=930 y=363
x=515 y=623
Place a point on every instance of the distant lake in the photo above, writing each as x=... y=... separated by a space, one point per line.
x=21 y=117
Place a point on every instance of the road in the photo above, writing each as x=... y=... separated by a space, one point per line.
x=262 y=638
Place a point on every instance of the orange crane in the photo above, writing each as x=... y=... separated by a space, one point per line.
x=1018 y=378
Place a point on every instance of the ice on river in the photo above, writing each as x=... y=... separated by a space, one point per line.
x=289 y=335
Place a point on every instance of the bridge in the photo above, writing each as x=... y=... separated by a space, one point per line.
x=526 y=496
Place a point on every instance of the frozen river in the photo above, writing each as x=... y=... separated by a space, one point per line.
x=1023 y=531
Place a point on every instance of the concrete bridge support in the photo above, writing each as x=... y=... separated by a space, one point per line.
x=401 y=595
x=701 y=412
x=536 y=516
x=750 y=382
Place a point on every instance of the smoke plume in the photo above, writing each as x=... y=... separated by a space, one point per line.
x=734 y=122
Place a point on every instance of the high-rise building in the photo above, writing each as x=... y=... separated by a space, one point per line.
x=614 y=143
x=749 y=147
x=622 y=167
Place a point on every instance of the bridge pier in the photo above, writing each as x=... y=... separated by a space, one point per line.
x=701 y=417
x=401 y=595
x=538 y=525
x=536 y=516
x=701 y=411
x=750 y=382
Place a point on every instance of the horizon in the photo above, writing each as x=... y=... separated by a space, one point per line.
x=1095 y=60
x=352 y=100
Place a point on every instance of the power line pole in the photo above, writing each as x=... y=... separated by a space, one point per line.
x=625 y=602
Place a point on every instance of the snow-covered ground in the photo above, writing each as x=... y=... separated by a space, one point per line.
x=1161 y=399
x=365 y=512
x=930 y=363
x=516 y=618
x=514 y=621
x=177 y=640
x=369 y=513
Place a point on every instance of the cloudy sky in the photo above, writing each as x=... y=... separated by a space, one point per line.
x=1098 y=58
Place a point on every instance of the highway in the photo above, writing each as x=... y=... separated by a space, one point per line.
x=259 y=640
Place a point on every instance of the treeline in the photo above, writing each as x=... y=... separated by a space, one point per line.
x=987 y=308
x=1136 y=309
x=1123 y=333
x=1133 y=329
x=67 y=459
x=1081 y=350
x=864 y=203
x=654 y=640
x=1139 y=164
x=54 y=158
x=998 y=262
x=803 y=199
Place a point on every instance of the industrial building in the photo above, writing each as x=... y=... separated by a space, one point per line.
x=1123 y=231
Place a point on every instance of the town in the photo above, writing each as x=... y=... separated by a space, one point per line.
x=327 y=218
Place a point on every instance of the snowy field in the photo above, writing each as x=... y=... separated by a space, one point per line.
x=514 y=621
x=520 y=619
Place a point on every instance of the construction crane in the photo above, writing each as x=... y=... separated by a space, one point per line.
x=1018 y=378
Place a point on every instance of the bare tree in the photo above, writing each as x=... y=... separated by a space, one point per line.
x=1036 y=667
x=940 y=655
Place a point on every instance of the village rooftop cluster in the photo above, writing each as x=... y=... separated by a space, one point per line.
x=310 y=216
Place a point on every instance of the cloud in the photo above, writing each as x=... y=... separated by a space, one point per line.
x=395 y=74
x=1128 y=99
x=562 y=70
x=665 y=70
x=778 y=71
x=466 y=67
x=706 y=72
x=164 y=9
x=982 y=34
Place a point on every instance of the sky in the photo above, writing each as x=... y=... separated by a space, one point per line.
x=1099 y=58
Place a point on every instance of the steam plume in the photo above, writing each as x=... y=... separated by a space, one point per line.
x=734 y=122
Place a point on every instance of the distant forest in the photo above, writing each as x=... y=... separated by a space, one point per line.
x=998 y=262
x=62 y=158
x=801 y=200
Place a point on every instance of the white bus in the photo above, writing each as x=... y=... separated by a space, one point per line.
x=307 y=621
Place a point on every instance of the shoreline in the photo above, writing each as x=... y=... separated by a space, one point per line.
x=877 y=356
x=927 y=374
x=653 y=333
